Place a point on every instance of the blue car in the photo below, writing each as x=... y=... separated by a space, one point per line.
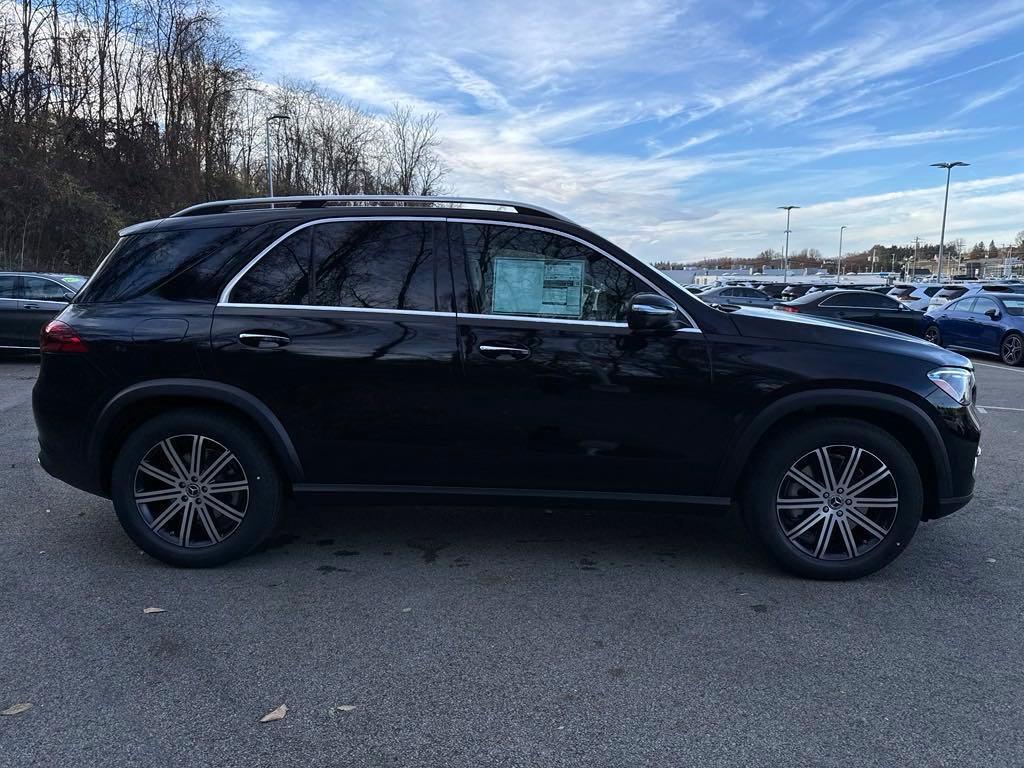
x=988 y=323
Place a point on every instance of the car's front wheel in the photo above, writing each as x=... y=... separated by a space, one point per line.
x=931 y=333
x=196 y=488
x=834 y=499
x=1011 y=351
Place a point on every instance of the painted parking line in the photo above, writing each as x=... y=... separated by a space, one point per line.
x=1006 y=368
x=987 y=408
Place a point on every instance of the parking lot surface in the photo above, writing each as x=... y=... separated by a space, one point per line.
x=507 y=636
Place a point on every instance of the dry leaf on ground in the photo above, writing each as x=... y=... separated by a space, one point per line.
x=153 y=610
x=277 y=714
x=16 y=709
x=341 y=708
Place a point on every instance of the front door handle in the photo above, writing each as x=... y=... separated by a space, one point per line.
x=497 y=350
x=264 y=340
x=30 y=306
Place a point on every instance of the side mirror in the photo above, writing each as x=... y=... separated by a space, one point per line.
x=993 y=314
x=651 y=312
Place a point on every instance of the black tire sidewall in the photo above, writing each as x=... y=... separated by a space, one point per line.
x=775 y=461
x=265 y=488
x=938 y=335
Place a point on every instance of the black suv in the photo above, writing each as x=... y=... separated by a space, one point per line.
x=454 y=350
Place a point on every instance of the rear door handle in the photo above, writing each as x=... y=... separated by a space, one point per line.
x=496 y=350
x=264 y=340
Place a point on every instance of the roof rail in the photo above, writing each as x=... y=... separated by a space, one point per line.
x=322 y=201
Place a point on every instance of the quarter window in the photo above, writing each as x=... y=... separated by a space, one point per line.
x=533 y=273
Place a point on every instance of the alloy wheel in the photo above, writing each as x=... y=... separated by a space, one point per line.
x=931 y=333
x=1012 y=349
x=837 y=502
x=191 y=490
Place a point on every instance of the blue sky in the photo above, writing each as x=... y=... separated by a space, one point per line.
x=676 y=128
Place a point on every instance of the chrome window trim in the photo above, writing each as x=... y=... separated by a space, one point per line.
x=225 y=295
x=15 y=346
x=327 y=308
x=224 y=299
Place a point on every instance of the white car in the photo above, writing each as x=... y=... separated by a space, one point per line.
x=914 y=295
x=948 y=293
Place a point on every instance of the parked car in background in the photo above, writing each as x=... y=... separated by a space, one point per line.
x=858 y=307
x=950 y=292
x=732 y=294
x=435 y=350
x=992 y=323
x=28 y=301
x=772 y=289
x=914 y=295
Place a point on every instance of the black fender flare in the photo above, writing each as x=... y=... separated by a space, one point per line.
x=199 y=389
x=744 y=444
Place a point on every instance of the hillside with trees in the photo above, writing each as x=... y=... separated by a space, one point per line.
x=117 y=111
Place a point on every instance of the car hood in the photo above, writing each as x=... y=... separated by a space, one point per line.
x=791 y=326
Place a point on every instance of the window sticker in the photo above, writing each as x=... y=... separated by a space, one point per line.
x=537 y=287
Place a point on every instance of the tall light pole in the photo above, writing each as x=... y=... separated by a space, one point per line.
x=839 y=260
x=785 y=253
x=942 y=237
x=270 y=171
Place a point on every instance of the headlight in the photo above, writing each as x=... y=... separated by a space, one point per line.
x=958 y=383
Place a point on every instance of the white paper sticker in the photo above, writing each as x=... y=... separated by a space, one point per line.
x=537 y=287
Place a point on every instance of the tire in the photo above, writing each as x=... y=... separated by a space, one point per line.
x=1011 y=349
x=931 y=333
x=852 y=548
x=215 y=526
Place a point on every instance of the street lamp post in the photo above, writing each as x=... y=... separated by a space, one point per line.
x=785 y=253
x=839 y=260
x=942 y=237
x=270 y=171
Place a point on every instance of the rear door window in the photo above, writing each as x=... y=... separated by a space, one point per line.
x=281 y=276
x=41 y=289
x=385 y=264
x=7 y=286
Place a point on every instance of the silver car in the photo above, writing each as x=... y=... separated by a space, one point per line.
x=732 y=294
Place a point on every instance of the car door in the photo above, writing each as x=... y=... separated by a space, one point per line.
x=41 y=299
x=10 y=335
x=845 y=306
x=893 y=315
x=984 y=332
x=953 y=320
x=559 y=394
x=345 y=330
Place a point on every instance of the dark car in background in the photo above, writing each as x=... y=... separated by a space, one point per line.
x=447 y=350
x=992 y=323
x=737 y=295
x=28 y=300
x=867 y=307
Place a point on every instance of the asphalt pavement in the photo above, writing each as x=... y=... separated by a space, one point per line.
x=507 y=637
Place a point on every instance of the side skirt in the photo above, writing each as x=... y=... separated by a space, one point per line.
x=425 y=494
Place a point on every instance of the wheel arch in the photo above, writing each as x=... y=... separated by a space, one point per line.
x=140 y=402
x=902 y=419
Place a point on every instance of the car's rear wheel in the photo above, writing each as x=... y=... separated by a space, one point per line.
x=196 y=488
x=1011 y=351
x=834 y=499
x=931 y=333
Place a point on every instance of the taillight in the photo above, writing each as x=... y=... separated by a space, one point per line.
x=60 y=337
